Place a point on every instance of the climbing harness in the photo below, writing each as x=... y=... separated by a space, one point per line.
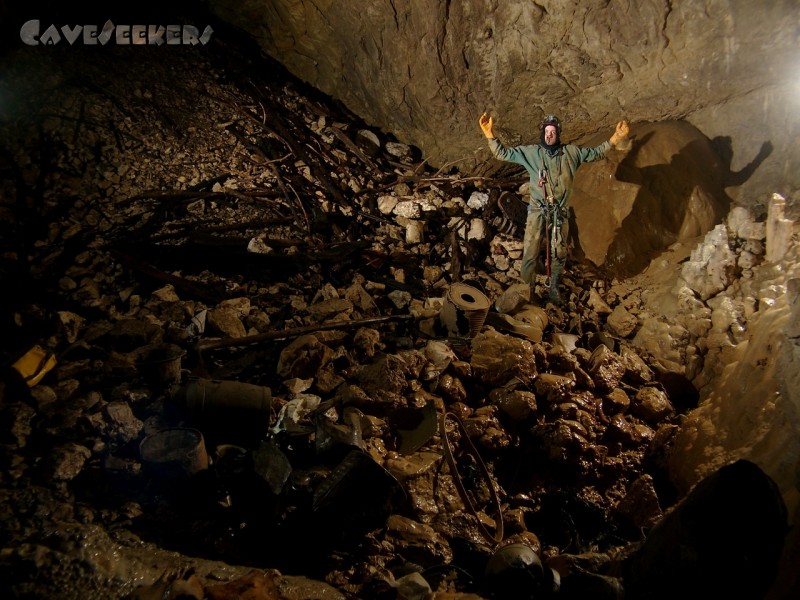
x=553 y=219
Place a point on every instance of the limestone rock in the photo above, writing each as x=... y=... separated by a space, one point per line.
x=498 y=358
x=652 y=405
x=712 y=265
x=622 y=322
x=68 y=461
x=640 y=505
x=303 y=357
x=517 y=404
x=607 y=368
x=225 y=322
x=616 y=401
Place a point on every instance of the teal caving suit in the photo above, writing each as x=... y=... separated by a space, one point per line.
x=559 y=166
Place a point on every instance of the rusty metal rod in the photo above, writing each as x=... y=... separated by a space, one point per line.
x=296 y=332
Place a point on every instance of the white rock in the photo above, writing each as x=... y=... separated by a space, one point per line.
x=747 y=260
x=258 y=246
x=429 y=204
x=663 y=342
x=738 y=219
x=712 y=265
x=386 y=204
x=369 y=142
x=409 y=209
x=415 y=232
x=398 y=150
x=501 y=262
x=478 y=200
x=779 y=229
x=477 y=230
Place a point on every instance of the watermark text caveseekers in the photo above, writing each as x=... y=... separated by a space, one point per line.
x=123 y=35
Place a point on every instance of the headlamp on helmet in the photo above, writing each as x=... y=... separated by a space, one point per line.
x=551 y=120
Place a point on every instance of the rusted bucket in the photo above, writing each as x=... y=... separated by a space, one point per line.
x=534 y=315
x=176 y=453
x=160 y=364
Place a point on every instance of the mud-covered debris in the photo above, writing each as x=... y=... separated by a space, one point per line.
x=497 y=358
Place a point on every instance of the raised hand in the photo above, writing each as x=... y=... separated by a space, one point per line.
x=486 y=123
x=621 y=132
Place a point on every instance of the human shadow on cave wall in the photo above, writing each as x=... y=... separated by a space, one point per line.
x=723 y=145
x=681 y=199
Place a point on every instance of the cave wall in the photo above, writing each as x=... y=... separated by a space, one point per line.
x=425 y=70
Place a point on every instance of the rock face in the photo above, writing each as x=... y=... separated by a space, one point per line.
x=426 y=70
x=666 y=187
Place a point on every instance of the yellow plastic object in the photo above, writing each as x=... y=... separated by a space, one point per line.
x=35 y=364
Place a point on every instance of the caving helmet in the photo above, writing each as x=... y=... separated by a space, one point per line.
x=550 y=120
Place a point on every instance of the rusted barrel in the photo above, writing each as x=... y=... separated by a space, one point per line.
x=232 y=408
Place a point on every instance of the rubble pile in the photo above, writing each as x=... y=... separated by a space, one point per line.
x=227 y=296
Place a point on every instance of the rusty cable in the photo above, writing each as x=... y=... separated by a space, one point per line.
x=473 y=451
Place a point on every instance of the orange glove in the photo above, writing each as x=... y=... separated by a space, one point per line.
x=621 y=133
x=486 y=123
